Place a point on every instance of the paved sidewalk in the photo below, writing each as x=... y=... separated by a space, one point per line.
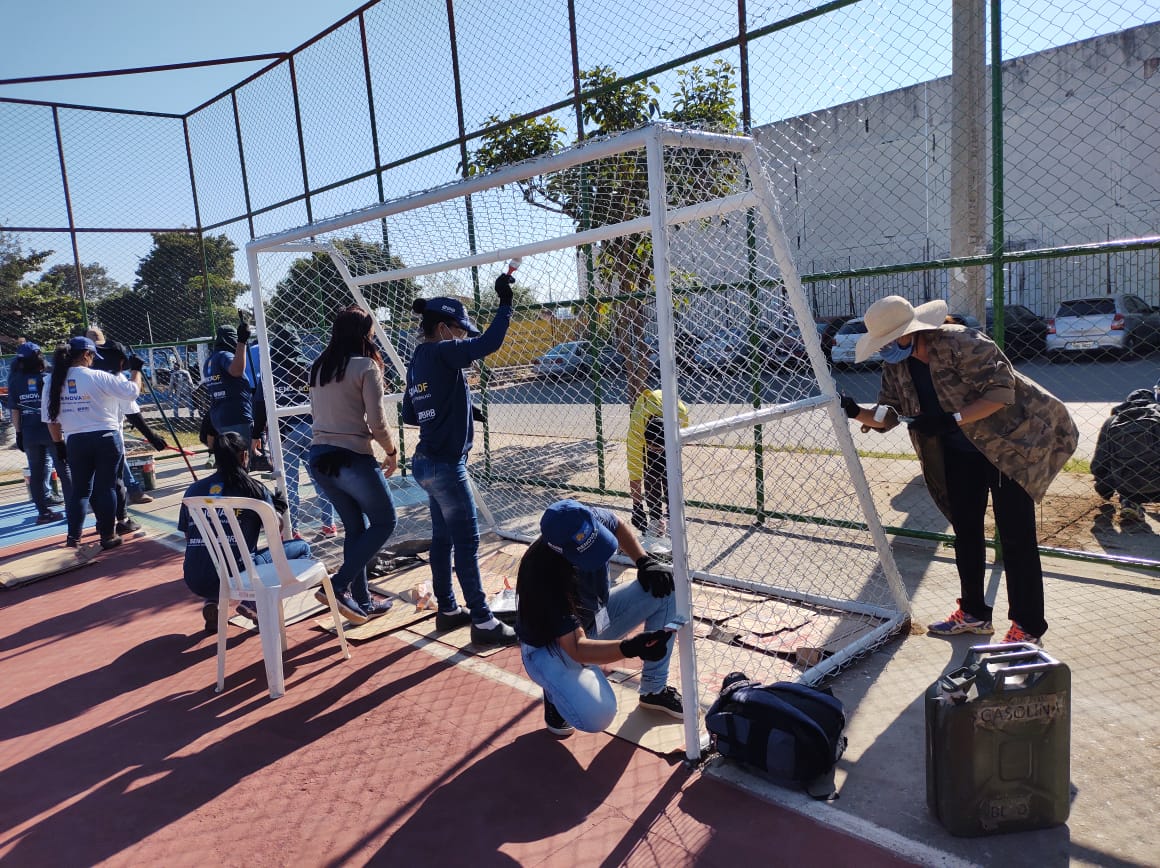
x=117 y=748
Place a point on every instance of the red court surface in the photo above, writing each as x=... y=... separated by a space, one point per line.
x=114 y=747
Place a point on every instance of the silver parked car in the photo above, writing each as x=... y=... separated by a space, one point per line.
x=574 y=359
x=1121 y=323
x=845 y=342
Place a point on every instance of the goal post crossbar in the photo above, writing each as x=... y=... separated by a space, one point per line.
x=586 y=152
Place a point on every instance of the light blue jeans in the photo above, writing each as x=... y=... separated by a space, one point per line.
x=581 y=693
x=359 y=490
x=295 y=444
x=454 y=529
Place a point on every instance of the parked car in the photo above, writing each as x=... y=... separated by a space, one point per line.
x=845 y=342
x=731 y=349
x=1024 y=331
x=573 y=359
x=1119 y=323
x=827 y=328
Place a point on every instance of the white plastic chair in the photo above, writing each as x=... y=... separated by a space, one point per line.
x=267 y=585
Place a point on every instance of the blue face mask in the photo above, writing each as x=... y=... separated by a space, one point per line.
x=892 y=353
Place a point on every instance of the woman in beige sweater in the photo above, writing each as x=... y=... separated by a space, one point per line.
x=346 y=402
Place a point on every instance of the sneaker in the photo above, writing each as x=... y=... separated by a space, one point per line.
x=1018 y=634
x=328 y=530
x=48 y=517
x=960 y=622
x=377 y=606
x=555 y=722
x=55 y=500
x=248 y=610
x=1132 y=512
x=667 y=700
x=111 y=542
x=451 y=620
x=128 y=526
x=209 y=614
x=349 y=609
x=500 y=634
x=140 y=497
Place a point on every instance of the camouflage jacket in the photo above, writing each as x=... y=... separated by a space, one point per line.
x=1029 y=439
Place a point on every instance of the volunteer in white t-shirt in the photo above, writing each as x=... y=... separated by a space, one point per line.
x=82 y=408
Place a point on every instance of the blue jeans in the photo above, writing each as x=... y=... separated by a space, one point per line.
x=295 y=445
x=359 y=489
x=580 y=692
x=453 y=528
x=39 y=453
x=94 y=462
x=207 y=585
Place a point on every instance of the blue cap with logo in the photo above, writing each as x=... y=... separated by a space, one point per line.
x=570 y=529
x=27 y=350
x=451 y=310
x=83 y=343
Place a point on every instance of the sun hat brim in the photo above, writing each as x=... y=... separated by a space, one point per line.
x=926 y=316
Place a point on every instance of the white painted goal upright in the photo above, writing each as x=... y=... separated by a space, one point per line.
x=651 y=260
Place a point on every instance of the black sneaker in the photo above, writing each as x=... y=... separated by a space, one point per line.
x=667 y=700
x=111 y=542
x=128 y=526
x=209 y=613
x=450 y=620
x=500 y=634
x=555 y=722
x=48 y=517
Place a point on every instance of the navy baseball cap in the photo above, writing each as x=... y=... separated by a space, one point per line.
x=83 y=343
x=570 y=529
x=452 y=311
x=27 y=349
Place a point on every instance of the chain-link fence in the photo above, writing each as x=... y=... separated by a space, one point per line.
x=902 y=163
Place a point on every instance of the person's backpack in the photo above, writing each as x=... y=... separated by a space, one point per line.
x=790 y=731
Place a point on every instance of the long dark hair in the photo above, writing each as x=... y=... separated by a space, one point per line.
x=62 y=360
x=229 y=451
x=348 y=338
x=33 y=364
x=546 y=586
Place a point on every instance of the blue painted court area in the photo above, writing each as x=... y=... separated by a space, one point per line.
x=18 y=524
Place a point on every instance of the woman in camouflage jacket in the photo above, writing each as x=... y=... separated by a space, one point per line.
x=979 y=427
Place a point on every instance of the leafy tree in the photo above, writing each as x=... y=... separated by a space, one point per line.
x=98 y=283
x=41 y=313
x=615 y=189
x=172 y=288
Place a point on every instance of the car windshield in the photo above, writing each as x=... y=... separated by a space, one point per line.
x=563 y=349
x=854 y=327
x=1087 y=307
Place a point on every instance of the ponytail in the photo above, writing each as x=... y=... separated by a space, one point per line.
x=229 y=451
x=62 y=360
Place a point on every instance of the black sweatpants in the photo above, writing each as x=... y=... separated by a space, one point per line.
x=970 y=477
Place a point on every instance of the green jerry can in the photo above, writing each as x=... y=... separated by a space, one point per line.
x=998 y=742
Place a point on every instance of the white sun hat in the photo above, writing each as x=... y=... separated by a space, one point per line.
x=892 y=317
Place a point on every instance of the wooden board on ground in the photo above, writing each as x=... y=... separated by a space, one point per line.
x=402 y=614
x=652 y=730
x=769 y=617
x=459 y=639
x=24 y=569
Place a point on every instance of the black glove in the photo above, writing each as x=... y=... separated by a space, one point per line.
x=934 y=424
x=851 y=407
x=503 y=288
x=61 y=450
x=647 y=646
x=477 y=413
x=331 y=463
x=20 y=440
x=244 y=331
x=653 y=577
x=639 y=517
x=156 y=441
x=136 y=363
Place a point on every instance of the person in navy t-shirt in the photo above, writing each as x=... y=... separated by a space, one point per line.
x=25 y=388
x=230 y=392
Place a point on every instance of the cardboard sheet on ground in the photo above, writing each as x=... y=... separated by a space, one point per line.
x=652 y=730
x=459 y=639
x=402 y=614
x=24 y=569
x=715 y=603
